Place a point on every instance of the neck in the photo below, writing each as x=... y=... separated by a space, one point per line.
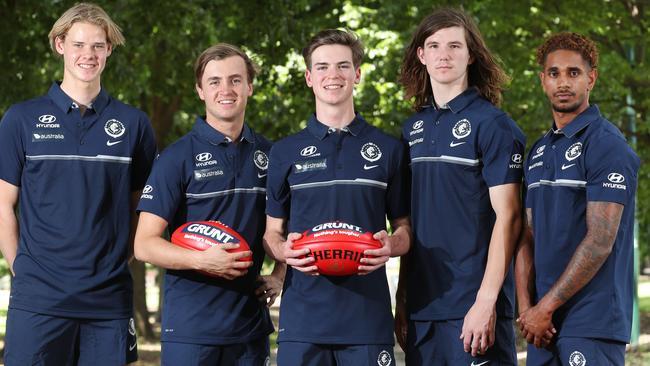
x=81 y=92
x=443 y=93
x=230 y=129
x=562 y=119
x=336 y=116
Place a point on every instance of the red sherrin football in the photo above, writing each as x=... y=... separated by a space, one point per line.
x=337 y=247
x=201 y=235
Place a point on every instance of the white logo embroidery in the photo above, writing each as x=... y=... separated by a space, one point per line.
x=205 y=156
x=479 y=364
x=577 y=359
x=567 y=166
x=616 y=178
x=454 y=144
x=540 y=149
x=46 y=118
x=261 y=160
x=260 y=175
x=384 y=358
x=462 y=129
x=114 y=128
x=147 y=189
x=418 y=124
x=131 y=321
x=370 y=152
x=368 y=167
x=517 y=158
x=309 y=151
x=573 y=151
x=111 y=143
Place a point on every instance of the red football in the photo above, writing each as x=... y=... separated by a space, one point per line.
x=201 y=235
x=337 y=247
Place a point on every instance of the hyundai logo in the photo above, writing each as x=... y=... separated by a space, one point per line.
x=147 y=189
x=540 y=149
x=616 y=178
x=418 y=124
x=308 y=151
x=204 y=156
x=46 y=118
x=517 y=158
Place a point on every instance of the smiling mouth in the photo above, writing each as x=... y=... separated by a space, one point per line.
x=332 y=87
x=227 y=101
x=86 y=66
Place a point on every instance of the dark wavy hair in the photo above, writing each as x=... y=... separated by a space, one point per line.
x=485 y=73
x=571 y=42
x=334 y=36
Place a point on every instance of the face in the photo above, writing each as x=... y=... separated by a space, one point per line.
x=225 y=89
x=332 y=76
x=567 y=80
x=446 y=56
x=85 y=50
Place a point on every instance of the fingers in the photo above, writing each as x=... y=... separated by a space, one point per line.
x=380 y=235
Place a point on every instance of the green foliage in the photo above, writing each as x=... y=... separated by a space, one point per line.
x=155 y=69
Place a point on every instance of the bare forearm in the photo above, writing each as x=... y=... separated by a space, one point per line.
x=8 y=235
x=524 y=271
x=161 y=253
x=402 y=236
x=504 y=236
x=272 y=244
x=602 y=226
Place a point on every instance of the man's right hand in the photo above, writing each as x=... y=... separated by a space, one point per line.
x=219 y=262
x=292 y=257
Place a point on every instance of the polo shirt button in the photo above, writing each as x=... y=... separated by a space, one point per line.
x=433 y=142
x=437 y=122
x=81 y=142
x=553 y=147
x=548 y=166
x=78 y=124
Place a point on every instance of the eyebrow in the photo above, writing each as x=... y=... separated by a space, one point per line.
x=233 y=76
x=337 y=63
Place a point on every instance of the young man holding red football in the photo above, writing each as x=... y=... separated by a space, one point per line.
x=455 y=294
x=339 y=168
x=215 y=172
x=77 y=158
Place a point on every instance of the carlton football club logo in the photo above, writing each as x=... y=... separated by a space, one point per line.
x=577 y=359
x=131 y=327
x=384 y=359
x=573 y=151
x=370 y=152
x=114 y=128
x=261 y=160
x=462 y=129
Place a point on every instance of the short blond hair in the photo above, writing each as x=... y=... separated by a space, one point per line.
x=86 y=13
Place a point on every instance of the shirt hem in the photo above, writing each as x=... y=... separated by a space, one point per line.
x=81 y=314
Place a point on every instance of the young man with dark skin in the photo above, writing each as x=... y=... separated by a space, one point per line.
x=574 y=264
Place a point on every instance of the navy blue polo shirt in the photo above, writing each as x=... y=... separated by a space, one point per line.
x=588 y=160
x=354 y=176
x=457 y=153
x=76 y=175
x=204 y=176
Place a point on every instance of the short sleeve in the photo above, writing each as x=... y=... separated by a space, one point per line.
x=278 y=193
x=12 y=149
x=611 y=169
x=501 y=145
x=398 y=195
x=144 y=154
x=165 y=188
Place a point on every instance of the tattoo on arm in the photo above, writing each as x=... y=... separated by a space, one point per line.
x=603 y=219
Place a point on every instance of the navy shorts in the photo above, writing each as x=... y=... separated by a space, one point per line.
x=310 y=354
x=38 y=339
x=439 y=343
x=577 y=351
x=255 y=353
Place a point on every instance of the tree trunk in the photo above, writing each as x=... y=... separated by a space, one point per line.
x=141 y=313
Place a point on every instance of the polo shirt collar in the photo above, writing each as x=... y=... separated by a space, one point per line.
x=460 y=102
x=203 y=129
x=579 y=123
x=66 y=104
x=320 y=130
